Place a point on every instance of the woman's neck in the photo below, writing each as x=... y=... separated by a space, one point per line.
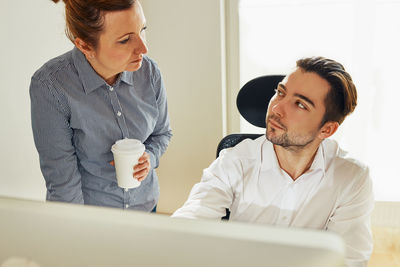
x=107 y=76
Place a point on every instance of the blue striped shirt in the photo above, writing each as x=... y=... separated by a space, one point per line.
x=77 y=117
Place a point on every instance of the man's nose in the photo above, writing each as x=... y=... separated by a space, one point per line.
x=278 y=108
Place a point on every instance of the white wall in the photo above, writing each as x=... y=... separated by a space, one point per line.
x=184 y=38
x=31 y=33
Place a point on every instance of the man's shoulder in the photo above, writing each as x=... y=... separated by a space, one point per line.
x=340 y=157
x=350 y=175
x=343 y=165
x=245 y=149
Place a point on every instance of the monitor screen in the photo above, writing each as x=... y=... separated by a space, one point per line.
x=48 y=234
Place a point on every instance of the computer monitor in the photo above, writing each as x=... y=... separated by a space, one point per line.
x=67 y=235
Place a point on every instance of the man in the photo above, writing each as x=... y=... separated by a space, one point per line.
x=294 y=176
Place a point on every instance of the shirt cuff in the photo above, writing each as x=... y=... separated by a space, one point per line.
x=152 y=159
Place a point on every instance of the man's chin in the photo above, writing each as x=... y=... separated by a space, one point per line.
x=271 y=134
x=275 y=139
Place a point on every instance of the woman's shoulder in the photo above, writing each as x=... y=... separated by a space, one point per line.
x=149 y=62
x=54 y=65
x=149 y=71
x=150 y=66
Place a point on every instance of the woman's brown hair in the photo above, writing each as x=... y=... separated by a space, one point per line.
x=85 y=18
x=341 y=99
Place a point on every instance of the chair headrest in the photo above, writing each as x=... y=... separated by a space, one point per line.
x=253 y=98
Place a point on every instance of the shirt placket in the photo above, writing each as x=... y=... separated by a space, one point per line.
x=127 y=199
x=118 y=111
x=287 y=205
x=116 y=105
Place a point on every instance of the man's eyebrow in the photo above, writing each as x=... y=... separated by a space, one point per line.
x=298 y=95
x=305 y=99
x=282 y=86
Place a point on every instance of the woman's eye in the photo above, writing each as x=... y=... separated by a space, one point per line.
x=124 y=41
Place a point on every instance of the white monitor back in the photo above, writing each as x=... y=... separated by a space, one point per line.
x=56 y=234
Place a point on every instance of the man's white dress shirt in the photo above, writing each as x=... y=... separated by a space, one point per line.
x=335 y=194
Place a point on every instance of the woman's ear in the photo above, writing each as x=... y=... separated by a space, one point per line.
x=328 y=129
x=85 y=48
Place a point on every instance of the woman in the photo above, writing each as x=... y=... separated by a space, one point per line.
x=101 y=91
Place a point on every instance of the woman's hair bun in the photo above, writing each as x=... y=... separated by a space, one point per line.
x=56 y=1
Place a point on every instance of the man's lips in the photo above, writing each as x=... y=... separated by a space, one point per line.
x=276 y=124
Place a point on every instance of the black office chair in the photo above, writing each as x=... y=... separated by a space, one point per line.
x=252 y=103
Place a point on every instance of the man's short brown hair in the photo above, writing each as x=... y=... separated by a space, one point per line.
x=341 y=99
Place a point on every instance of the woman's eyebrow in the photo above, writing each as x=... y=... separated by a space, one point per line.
x=125 y=34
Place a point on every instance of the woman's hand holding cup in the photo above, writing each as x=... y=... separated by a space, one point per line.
x=142 y=169
x=132 y=163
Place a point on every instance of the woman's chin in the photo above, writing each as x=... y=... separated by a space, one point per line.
x=134 y=66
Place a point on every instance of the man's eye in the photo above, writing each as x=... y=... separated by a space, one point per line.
x=300 y=105
x=278 y=92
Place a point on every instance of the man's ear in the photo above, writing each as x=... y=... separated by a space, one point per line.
x=85 y=48
x=328 y=129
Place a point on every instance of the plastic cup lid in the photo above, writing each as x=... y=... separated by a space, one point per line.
x=128 y=146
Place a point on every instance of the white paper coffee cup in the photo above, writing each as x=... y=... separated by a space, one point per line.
x=126 y=155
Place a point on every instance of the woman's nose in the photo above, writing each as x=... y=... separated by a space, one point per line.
x=141 y=47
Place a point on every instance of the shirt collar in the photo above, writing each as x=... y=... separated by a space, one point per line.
x=127 y=77
x=270 y=161
x=319 y=160
x=90 y=79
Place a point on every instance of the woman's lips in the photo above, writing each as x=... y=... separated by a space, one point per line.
x=137 y=60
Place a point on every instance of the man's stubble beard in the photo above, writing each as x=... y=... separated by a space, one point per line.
x=293 y=143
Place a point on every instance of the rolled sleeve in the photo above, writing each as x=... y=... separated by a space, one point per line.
x=53 y=139
x=210 y=198
x=158 y=141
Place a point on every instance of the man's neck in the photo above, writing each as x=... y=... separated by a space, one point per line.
x=296 y=162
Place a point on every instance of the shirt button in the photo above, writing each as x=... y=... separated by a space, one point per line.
x=126 y=206
x=119 y=113
x=111 y=88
